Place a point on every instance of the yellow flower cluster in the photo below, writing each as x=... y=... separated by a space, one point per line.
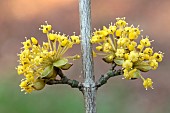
x=37 y=62
x=118 y=45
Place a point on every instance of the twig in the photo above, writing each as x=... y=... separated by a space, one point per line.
x=111 y=73
x=64 y=80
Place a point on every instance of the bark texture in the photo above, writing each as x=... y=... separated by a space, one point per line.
x=89 y=89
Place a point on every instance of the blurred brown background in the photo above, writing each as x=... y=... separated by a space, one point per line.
x=22 y=18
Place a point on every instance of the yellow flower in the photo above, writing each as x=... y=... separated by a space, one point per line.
x=26 y=86
x=145 y=42
x=75 y=39
x=104 y=32
x=123 y=42
x=38 y=60
x=135 y=32
x=129 y=74
x=126 y=74
x=121 y=22
x=120 y=53
x=27 y=44
x=133 y=56
x=112 y=29
x=107 y=47
x=158 y=57
x=131 y=46
x=52 y=36
x=118 y=32
x=146 y=56
x=128 y=30
x=30 y=77
x=111 y=57
x=140 y=47
x=148 y=83
x=126 y=55
x=20 y=69
x=63 y=40
x=46 y=28
x=148 y=51
x=127 y=64
x=154 y=64
x=34 y=41
x=141 y=56
x=94 y=39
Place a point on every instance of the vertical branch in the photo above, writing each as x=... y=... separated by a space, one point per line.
x=89 y=89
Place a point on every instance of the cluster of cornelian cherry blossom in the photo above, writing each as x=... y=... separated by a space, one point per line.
x=117 y=44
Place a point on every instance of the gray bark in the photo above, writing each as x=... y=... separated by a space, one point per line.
x=89 y=89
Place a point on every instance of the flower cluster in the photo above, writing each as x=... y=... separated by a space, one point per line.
x=37 y=62
x=118 y=45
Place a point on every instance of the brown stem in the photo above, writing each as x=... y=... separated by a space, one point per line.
x=64 y=80
x=104 y=78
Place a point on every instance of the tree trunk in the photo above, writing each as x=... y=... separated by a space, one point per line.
x=89 y=89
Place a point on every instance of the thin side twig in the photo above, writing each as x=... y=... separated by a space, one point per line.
x=64 y=80
x=111 y=73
